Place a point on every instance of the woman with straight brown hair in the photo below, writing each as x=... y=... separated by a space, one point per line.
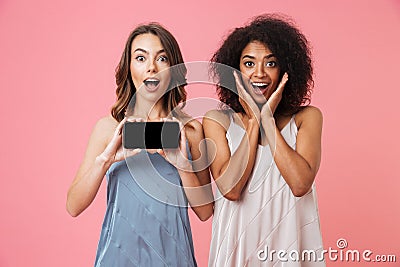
x=141 y=228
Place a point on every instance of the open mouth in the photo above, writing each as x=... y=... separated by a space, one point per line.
x=151 y=83
x=259 y=88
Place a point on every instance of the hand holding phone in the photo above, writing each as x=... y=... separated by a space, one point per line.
x=151 y=135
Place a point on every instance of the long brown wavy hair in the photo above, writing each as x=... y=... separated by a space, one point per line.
x=125 y=87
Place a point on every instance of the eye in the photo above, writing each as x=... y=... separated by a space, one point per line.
x=271 y=64
x=140 y=58
x=163 y=59
x=249 y=64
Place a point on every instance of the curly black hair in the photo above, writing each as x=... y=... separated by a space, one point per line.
x=291 y=49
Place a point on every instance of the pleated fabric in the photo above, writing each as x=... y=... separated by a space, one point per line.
x=267 y=217
x=146 y=222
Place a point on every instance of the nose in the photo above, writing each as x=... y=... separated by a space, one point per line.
x=152 y=67
x=259 y=71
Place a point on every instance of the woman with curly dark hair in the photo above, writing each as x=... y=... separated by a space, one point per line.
x=267 y=147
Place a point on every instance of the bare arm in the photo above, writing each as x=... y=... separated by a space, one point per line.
x=299 y=167
x=201 y=196
x=231 y=172
x=104 y=148
x=195 y=178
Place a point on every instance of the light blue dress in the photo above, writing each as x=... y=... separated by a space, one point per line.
x=141 y=229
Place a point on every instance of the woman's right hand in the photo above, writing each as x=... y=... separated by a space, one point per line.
x=104 y=148
x=249 y=105
x=114 y=151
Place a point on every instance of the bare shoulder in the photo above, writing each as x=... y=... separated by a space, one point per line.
x=104 y=128
x=194 y=131
x=194 y=125
x=215 y=115
x=106 y=124
x=309 y=115
x=107 y=121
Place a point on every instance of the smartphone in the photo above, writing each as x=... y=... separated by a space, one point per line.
x=151 y=135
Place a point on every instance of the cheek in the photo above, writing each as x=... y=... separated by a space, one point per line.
x=275 y=75
x=165 y=75
x=247 y=74
x=244 y=70
x=136 y=74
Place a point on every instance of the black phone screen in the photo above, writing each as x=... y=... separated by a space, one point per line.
x=151 y=135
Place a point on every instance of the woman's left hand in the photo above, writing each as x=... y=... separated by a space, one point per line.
x=177 y=156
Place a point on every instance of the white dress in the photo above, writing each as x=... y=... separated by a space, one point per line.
x=267 y=218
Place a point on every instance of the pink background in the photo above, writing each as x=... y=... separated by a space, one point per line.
x=57 y=78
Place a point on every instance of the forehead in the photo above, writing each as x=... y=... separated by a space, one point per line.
x=148 y=42
x=256 y=48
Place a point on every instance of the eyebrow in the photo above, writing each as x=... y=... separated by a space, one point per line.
x=147 y=52
x=252 y=57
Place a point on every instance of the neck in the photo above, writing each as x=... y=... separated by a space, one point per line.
x=149 y=111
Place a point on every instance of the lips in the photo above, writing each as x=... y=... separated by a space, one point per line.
x=260 y=87
x=151 y=84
